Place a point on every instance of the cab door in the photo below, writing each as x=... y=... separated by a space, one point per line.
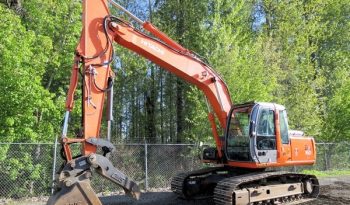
x=286 y=154
x=265 y=135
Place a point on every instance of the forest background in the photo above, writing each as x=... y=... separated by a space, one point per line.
x=295 y=53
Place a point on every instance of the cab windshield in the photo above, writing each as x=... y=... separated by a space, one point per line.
x=238 y=135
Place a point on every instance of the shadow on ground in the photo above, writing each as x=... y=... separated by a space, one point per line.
x=166 y=198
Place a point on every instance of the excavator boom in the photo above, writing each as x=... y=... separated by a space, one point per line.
x=92 y=61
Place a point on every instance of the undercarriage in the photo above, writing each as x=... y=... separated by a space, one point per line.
x=232 y=186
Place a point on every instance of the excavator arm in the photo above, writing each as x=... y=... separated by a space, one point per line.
x=179 y=61
x=93 y=58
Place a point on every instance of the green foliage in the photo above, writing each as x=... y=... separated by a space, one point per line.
x=337 y=126
x=290 y=52
x=60 y=21
x=26 y=169
x=284 y=52
x=28 y=112
x=334 y=66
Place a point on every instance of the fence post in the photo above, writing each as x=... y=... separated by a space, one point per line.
x=146 y=167
x=54 y=165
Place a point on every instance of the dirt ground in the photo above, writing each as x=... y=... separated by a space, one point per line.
x=334 y=191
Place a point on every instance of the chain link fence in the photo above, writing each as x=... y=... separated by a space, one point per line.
x=27 y=170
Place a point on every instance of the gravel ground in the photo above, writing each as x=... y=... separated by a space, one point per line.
x=334 y=191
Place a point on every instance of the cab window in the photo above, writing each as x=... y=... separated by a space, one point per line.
x=266 y=125
x=284 y=126
x=266 y=137
x=238 y=136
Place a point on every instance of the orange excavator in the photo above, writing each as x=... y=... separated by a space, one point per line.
x=256 y=136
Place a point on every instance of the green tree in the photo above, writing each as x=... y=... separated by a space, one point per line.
x=289 y=35
x=333 y=64
x=28 y=112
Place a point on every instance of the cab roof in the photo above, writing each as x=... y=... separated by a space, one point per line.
x=264 y=104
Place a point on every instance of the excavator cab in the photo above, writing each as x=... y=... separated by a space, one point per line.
x=257 y=136
x=251 y=132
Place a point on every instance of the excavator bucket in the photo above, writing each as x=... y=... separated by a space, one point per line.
x=80 y=193
x=73 y=182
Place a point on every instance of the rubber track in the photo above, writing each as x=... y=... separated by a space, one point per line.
x=177 y=183
x=223 y=193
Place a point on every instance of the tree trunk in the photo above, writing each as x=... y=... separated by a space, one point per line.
x=179 y=110
x=170 y=112
x=132 y=117
x=36 y=156
x=180 y=30
x=150 y=134
x=161 y=105
x=150 y=98
x=328 y=156
x=15 y=5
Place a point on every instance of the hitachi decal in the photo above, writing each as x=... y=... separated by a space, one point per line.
x=153 y=47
